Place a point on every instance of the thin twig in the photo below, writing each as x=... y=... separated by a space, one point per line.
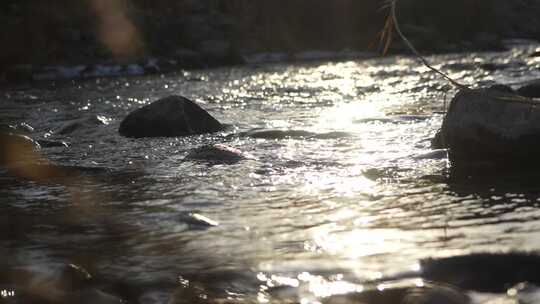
x=415 y=52
x=507 y=98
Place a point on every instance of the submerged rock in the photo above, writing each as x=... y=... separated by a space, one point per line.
x=491 y=125
x=502 y=88
x=435 y=294
x=217 y=153
x=492 y=67
x=413 y=292
x=20 y=128
x=21 y=156
x=82 y=124
x=45 y=143
x=169 y=117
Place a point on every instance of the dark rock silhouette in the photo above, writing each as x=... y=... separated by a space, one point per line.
x=169 y=117
x=531 y=90
x=490 y=125
x=484 y=272
x=502 y=88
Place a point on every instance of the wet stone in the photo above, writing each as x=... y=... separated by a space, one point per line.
x=459 y=66
x=197 y=221
x=491 y=67
x=502 y=88
x=531 y=90
x=490 y=126
x=19 y=128
x=435 y=294
x=426 y=293
x=45 y=143
x=81 y=124
x=216 y=153
x=169 y=117
x=484 y=272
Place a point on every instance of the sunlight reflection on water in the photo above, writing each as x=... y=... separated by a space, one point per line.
x=317 y=211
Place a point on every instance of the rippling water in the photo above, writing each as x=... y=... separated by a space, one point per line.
x=363 y=198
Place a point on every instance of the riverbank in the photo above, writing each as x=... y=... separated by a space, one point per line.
x=110 y=38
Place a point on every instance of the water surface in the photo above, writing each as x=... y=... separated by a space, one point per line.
x=362 y=197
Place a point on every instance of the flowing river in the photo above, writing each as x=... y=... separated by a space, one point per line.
x=342 y=188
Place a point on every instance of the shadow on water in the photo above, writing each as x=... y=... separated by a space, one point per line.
x=494 y=183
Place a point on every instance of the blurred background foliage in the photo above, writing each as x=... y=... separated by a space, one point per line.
x=66 y=31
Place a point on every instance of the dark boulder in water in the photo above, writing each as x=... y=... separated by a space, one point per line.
x=531 y=90
x=169 y=117
x=491 y=125
x=484 y=272
x=502 y=88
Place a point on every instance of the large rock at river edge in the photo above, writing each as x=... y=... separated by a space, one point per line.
x=531 y=90
x=491 y=125
x=169 y=117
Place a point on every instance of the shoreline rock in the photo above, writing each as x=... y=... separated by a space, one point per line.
x=491 y=125
x=531 y=90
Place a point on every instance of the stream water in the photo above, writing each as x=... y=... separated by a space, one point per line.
x=361 y=198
